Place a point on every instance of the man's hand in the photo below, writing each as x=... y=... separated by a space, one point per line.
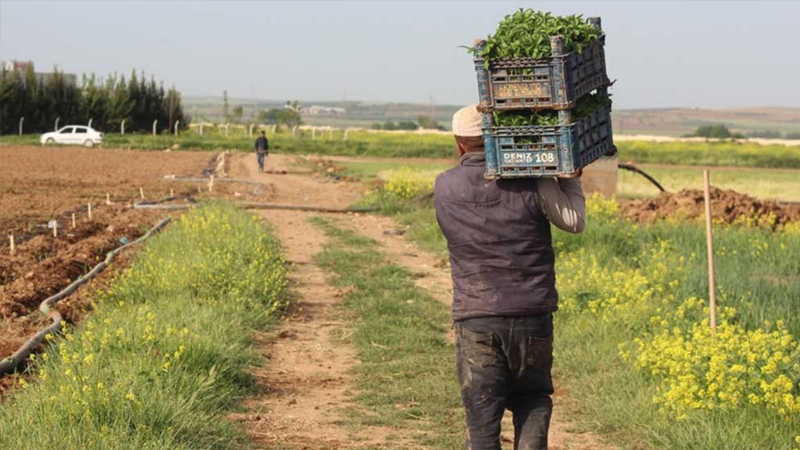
x=576 y=174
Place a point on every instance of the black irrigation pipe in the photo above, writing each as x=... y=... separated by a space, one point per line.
x=206 y=180
x=158 y=204
x=46 y=307
x=641 y=172
x=250 y=205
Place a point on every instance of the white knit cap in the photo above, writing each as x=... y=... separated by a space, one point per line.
x=467 y=122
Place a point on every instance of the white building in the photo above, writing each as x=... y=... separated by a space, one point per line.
x=42 y=77
x=316 y=109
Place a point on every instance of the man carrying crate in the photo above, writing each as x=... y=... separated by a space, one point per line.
x=262 y=150
x=504 y=292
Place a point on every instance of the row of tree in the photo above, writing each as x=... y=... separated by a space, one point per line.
x=289 y=115
x=715 y=131
x=41 y=100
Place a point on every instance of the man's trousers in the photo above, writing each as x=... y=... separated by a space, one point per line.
x=504 y=363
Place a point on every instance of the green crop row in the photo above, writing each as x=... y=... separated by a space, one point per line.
x=415 y=145
x=585 y=106
x=358 y=143
x=164 y=355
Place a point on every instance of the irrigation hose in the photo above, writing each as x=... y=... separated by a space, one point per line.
x=249 y=205
x=641 y=172
x=158 y=204
x=46 y=307
x=216 y=180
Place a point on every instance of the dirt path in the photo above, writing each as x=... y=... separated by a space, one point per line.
x=306 y=380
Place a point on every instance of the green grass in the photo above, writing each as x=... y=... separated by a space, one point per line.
x=165 y=355
x=710 y=154
x=358 y=143
x=408 y=145
x=758 y=274
x=376 y=170
x=406 y=379
x=759 y=183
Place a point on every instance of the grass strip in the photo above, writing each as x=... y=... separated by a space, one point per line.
x=760 y=183
x=406 y=378
x=739 y=154
x=411 y=145
x=358 y=143
x=165 y=354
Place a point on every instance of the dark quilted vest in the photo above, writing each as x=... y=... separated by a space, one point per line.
x=501 y=252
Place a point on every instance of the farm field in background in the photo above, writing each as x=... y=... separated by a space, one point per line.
x=782 y=184
x=439 y=145
x=43 y=184
x=326 y=142
x=682 y=121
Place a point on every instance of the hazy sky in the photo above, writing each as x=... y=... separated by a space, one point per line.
x=703 y=54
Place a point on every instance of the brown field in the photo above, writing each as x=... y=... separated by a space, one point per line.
x=39 y=184
x=681 y=121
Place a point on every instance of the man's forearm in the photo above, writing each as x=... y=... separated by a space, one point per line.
x=563 y=203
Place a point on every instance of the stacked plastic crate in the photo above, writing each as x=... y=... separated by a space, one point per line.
x=553 y=83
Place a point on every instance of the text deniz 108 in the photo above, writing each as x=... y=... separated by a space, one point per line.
x=530 y=157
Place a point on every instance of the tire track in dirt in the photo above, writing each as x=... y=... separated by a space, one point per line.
x=306 y=378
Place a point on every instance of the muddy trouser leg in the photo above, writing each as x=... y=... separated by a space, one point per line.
x=260 y=160
x=484 y=378
x=529 y=398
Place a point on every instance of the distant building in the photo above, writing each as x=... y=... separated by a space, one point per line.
x=41 y=77
x=315 y=110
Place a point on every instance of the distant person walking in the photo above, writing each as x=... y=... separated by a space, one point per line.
x=262 y=150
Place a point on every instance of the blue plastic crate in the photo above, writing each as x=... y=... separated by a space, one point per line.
x=555 y=82
x=536 y=151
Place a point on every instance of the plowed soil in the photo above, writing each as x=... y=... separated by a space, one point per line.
x=727 y=206
x=40 y=184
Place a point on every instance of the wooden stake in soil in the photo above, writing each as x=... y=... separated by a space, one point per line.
x=90 y=211
x=108 y=199
x=211 y=184
x=55 y=229
x=172 y=192
x=73 y=220
x=712 y=298
x=12 y=248
x=141 y=192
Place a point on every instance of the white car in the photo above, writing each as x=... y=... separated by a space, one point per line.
x=73 y=134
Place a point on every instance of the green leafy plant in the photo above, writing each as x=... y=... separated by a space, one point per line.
x=525 y=118
x=526 y=34
x=584 y=107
